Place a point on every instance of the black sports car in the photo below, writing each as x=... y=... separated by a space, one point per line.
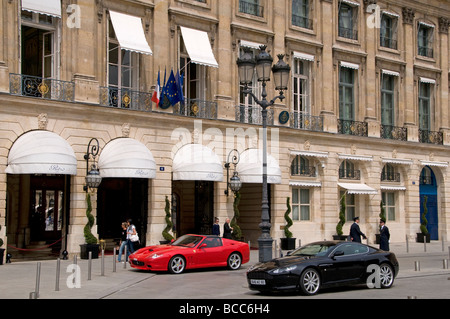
x=324 y=264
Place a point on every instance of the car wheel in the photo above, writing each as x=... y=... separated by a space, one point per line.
x=310 y=281
x=177 y=264
x=234 y=261
x=386 y=276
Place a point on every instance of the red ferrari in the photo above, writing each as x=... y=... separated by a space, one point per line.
x=191 y=251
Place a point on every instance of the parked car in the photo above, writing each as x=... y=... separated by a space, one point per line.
x=324 y=264
x=192 y=251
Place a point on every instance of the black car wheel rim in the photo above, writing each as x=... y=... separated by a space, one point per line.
x=311 y=281
x=386 y=275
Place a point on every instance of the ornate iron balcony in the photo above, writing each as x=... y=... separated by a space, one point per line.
x=252 y=115
x=125 y=99
x=197 y=108
x=394 y=132
x=300 y=120
x=431 y=137
x=352 y=174
x=49 y=89
x=352 y=127
x=390 y=177
x=307 y=171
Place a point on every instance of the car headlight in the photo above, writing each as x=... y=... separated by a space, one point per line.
x=154 y=256
x=284 y=269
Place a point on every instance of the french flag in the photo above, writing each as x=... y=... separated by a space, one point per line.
x=157 y=94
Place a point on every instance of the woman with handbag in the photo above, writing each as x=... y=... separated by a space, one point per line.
x=132 y=237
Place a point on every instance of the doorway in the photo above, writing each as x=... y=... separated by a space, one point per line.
x=429 y=188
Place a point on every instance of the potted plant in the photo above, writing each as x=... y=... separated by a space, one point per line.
x=287 y=243
x=339 y=233
x=237 y=233
x=167 y=236
x=424 y=234
x=91 y=240
x=382 y=216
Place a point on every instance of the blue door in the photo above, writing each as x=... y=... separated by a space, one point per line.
x=428 y=188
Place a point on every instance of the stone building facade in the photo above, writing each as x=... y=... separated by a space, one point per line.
x=366 y=116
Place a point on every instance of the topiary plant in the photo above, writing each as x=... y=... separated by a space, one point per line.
x=341 y=217
x=167 y=236
x=382 y=214
x=287 y=232
x=88 y=236
x=237 y=233
x=423 y=224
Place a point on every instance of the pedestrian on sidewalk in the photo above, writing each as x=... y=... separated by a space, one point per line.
x=384 y=235
x=227 y=229
x=131 y=230
x=216 y=227
x=123 y=242
x=355 y=232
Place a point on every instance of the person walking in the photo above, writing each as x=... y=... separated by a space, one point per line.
x=355 y=232
x=384 y=236
x=227 y=229
x=131 y=230
x=123 y=242
x=216 y=227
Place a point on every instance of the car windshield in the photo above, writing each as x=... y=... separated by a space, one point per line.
x=187 y=241
x=316 y=249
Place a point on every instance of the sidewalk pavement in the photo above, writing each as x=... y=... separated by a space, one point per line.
x=18 y=279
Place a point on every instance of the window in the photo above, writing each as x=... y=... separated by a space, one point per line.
x=350 y=206
x=387 y=100
x=195 y=75
x=348 y=17
x=388 y=31
x=301 y=166
x=301 y=92
x=388 y=199
x=425 y=40
x=300 y=204
x=389 y=174
x=424 y=106
x=346 y=94
x=347 y=171
x=301 y=14
x=252 y=7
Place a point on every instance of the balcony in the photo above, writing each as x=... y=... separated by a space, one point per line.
x=390 y=177
x=125 y=99
x=251 y=8
x=351 y=174
x=388 y=43
x=48 y=89
x=252 y=115
x=394 y=133
x=350 y=127
x=305 y=171
x=425 y=51
x=196 y=108
x=302 y=22
x=348 y=33
x=302 y=121
x=431 y=137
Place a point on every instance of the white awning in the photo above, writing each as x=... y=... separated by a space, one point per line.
x=126 y=158
x=397 y=161
x=250 y=167
x=41 y=152
x=47 y=7
x=249 y=44
x=195 y=162
x=389 y=72
x=310 y=153
x=198 y=47
x=363 y=158
x=358 y=189
x=427 y=80
x=305 y=184
x=130 y=32
x=350 y=65
x=352 y=3
x=392 y=188
x=433 y=163
x=303 y=56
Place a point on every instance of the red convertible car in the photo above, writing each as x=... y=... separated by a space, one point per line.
x=191 y=251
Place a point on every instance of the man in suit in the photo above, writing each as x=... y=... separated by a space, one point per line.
x=227 y=229
x=384 y=235
x=355 y=232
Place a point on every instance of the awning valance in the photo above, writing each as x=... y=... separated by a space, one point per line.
x=433 y=163
x=305 y=184
x=358 y=188
x=130 y=32
x=126 y=158
x=198 y=47
x=41 y=152
x=349 y=65
x=310 y=153
x=47 y=7
x=250 y=167
x=195 y=162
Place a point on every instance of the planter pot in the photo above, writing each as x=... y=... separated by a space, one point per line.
x=164 y=242
x=86 y=248
x=288 y=243
x=421 y=237
x=340 y=237
x=2 y=252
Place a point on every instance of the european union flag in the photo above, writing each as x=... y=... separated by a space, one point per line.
x=172 y=90
x=180 y=82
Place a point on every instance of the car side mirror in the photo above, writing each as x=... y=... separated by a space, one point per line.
x=338 y=253
x=203 y=245
x=289 y=253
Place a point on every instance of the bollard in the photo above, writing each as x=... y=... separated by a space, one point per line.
x=114 y=259
x=90 y=265
x=424 y=244
x=443 y=243
x=58 y=267
x=103 y=262
x=38 y=280
x=407 y=244
x=417 y=265
x=445 y=263
x=126 y=257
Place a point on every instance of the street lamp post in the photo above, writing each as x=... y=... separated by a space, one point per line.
x=93 y=178
x=234 y=183
x=263 y=63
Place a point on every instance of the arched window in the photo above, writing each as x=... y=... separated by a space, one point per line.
x=390 y=174
x=301 y=166
x=427 y=177
x=347 y=171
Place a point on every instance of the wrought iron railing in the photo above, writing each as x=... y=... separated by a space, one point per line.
x=425 y=51
x=196 y=108
x=303 y=22
x=390 y=177
x=348 y=33
x=352 y=174
x=252 y=115
x=394 y=132
x=251 y=8
x=300 y=120
x=353 y=128
x=50 y=89
x=388 y=43
x=125 y=99
x=431 y=137
x=306 y=171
